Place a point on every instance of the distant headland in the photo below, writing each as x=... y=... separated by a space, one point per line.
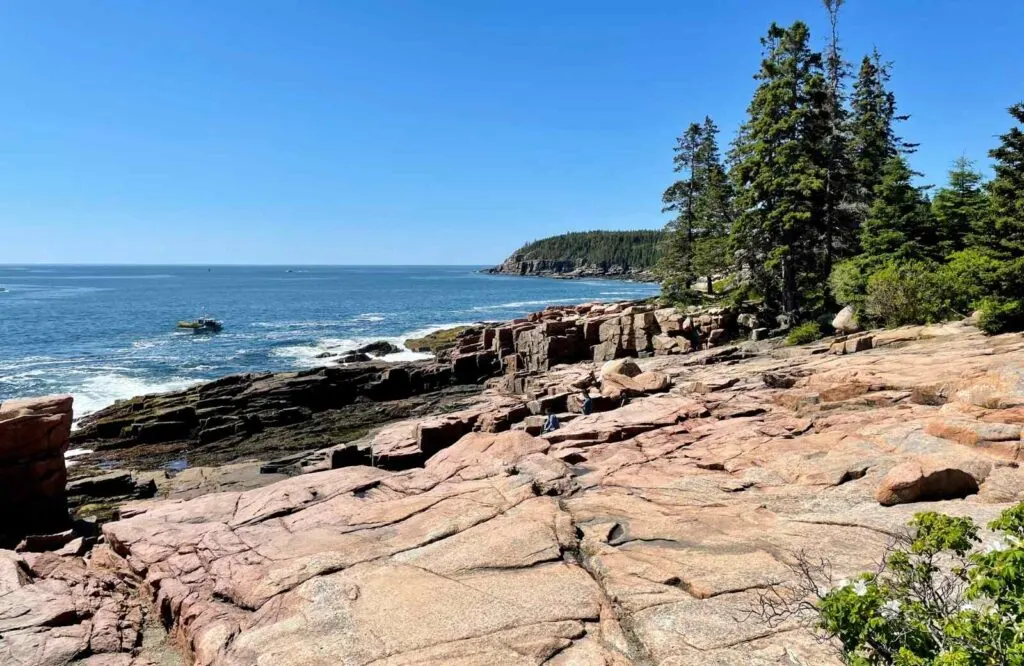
x=629 y=255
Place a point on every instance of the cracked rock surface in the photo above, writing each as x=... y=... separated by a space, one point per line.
x=638 y=535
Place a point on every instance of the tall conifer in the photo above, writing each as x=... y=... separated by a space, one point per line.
x=899 y=226
x=840 y=225
x=961 y=209
x=675 y=268
x=713 y=209
x=1007 y=189
x=779 y=170
x=874 y=140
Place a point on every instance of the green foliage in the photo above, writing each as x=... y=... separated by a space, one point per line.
x=968 y=277
x=744 y=292
x=961 y=209
x=840 y=224
x=874 y=141
x=820 y=206
x=899 y=225
x=631 y=249
x=849 y=283
x=804 y=333
x=904 y=293
x=1001 y=315
x=779 y=170
x=1007 y=189
x=697 y=238
x=937 y=601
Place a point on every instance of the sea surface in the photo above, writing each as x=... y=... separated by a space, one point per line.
x=104 y=333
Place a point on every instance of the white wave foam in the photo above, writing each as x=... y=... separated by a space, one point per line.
x=101 y=391
x=521 y=304
x=71 y=453
x=292 y=325
x=371 y=316
x=306 y=355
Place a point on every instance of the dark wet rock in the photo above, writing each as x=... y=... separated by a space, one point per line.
x=354 y=357
x=378 y=348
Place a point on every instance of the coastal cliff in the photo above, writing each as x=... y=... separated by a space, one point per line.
x=629 y=255
x=640 y=533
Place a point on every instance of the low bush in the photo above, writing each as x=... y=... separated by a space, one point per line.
x=804 y=333
x=848 y=284
x=1001 y=315
x=904 y=293
x=937 y=599
x=967 y=278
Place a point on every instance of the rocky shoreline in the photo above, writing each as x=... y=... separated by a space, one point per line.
x=569 y=270
x=641 y=533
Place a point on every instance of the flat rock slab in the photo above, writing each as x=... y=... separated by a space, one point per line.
x=643 y=534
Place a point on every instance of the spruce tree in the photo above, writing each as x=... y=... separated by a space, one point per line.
x=675 y=268
x=899 y=226
x=874 y=140
x=779 y=172
x=961 y=209
x=713 y=209
x=840 y=224
x=1007 y=189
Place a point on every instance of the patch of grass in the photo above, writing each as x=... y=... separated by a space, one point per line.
x=804 y=333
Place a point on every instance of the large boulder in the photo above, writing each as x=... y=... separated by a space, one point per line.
x=931 y=478
x=622 y=366
x=33 y=438
x=846 y=321
x=618 y=386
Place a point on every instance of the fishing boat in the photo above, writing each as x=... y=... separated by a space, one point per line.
x=201 y=325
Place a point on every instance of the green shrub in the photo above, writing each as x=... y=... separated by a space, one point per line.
x=745 y=292
x=914 y=611
x=1001 y=315
x=848 y=284
x=968 y=277
x=804 y=333
x=904 y=293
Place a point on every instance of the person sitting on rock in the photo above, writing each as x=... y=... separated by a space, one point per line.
x=588 y=405
x=552 y=423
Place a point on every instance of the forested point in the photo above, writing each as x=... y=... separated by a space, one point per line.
x=635 y=249
x=815 y=204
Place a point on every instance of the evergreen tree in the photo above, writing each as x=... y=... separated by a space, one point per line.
x=840 y=222
x=961 y=209
x=1007 y=189
x=779 y=171
x=899 y=226
x=675 y=268
x=874 y=113
x=710 y=252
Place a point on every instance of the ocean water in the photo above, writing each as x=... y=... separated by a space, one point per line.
x=104 y=333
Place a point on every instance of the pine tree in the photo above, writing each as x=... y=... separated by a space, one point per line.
x=1007 y=189
x=899 y=226
x=874 y=140
x=675 y=268
x=840 y=222
x=779 y=171
x=713 y=209
x=961 y=209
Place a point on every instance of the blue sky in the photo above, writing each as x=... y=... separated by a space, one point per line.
x=434 y=132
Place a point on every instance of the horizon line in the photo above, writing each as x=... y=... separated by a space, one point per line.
x=237 y=265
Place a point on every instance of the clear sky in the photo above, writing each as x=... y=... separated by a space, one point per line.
x=431 y=132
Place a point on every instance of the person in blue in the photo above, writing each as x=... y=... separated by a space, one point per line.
x=552 y=423
x=588 y=404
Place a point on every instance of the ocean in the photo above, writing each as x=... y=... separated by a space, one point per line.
x=104 y=333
